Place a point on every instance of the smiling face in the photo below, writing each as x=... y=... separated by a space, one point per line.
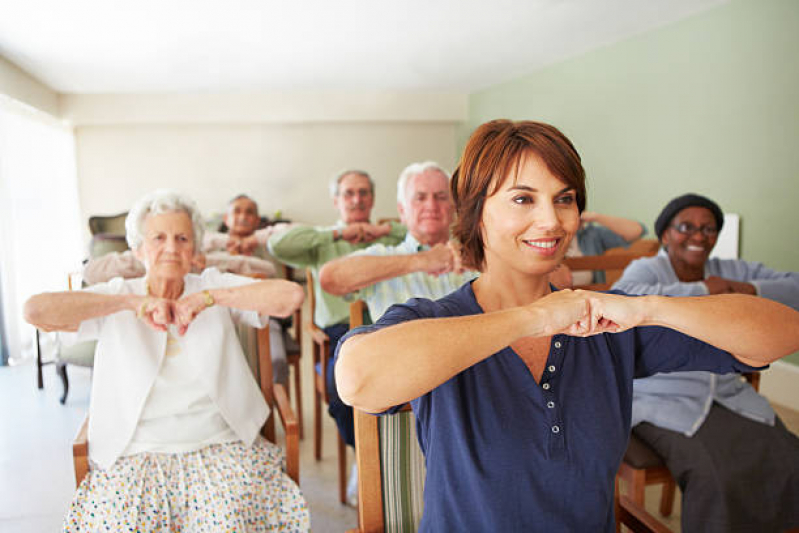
x=241 y=217
x=354 y=199
x=168 y=245
x=427 y=209
x=528 y=223
x=690 y=251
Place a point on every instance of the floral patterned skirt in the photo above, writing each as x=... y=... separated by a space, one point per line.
x=219 y=488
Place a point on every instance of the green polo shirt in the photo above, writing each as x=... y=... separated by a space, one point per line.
x=311 y=247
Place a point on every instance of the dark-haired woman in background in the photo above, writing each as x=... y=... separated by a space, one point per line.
x=717 y=435
x=522 y=394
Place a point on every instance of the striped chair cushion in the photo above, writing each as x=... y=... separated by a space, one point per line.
x=403 y=473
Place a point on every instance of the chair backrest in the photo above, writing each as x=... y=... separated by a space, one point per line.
x=612 y=262
x=391 y=468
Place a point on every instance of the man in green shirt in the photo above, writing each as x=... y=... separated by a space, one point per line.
x=311 y=247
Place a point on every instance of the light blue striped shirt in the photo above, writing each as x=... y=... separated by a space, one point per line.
x=383 y=294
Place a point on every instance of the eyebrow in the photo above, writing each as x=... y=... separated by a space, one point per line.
x=532 y=189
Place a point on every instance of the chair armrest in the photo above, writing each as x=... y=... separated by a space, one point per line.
x=637 y=519
x=80 y=452
x=292 y=429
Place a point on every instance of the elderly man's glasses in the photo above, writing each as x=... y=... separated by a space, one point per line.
x=686 y=228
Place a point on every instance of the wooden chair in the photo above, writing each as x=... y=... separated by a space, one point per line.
x=293 y=344
x=612 y=262
x=320 y=350
x=642 y=466
x=260 y=360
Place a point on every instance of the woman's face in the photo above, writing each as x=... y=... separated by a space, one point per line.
x=528 y=223
x=168 y=245
x=687 y=240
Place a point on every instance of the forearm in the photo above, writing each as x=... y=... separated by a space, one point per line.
x=273 y=297
x=298 y=246
x=348 y=274
x=394 y=365
x=64 y=311
x=755 y=330
x=629 y=230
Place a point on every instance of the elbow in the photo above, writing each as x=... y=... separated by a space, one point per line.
x=33 y=310
x=291 y=300
x=330 y=282
x=351 y=379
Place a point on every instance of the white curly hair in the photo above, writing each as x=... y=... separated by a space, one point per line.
x=158 y=202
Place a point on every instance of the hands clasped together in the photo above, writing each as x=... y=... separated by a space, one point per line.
x=159 y=313
x=583 y=313
x=441 y=259
x=364 y=232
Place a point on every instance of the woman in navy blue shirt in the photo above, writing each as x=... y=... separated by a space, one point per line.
x=523 y=394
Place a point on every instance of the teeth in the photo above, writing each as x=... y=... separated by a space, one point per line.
x=542 y=244
x=696 y=248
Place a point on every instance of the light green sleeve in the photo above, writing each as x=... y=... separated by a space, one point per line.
x=299 y=246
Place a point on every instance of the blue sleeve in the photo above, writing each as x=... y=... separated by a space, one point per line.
x=659 y=349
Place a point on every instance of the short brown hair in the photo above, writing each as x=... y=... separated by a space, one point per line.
x=492 y=152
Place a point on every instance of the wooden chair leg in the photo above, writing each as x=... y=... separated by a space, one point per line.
x=317 y=421
x=298 y=399
x=667 y=497
x=342 y=469
x=637 y=485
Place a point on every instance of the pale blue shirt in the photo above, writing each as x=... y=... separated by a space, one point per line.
x=680 y=401
x=383 y=294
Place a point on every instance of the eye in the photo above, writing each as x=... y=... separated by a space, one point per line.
x=566 y=199
x=522 y=199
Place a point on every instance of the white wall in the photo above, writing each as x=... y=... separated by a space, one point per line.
x=21 y=86
x=282 y=151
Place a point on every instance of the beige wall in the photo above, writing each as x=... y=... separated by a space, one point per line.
x=21 y=86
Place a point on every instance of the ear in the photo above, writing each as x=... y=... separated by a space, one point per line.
x=401 y=211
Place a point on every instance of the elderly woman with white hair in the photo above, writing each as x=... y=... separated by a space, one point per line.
x=175 y=412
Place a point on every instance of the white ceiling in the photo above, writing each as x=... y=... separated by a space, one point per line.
x=157 y=46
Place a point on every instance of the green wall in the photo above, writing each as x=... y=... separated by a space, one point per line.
x=709 y=104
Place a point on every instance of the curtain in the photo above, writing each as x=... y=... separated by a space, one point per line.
x=41 y=240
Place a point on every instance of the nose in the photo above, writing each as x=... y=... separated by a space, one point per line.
x=547 y=217
x=171 y=244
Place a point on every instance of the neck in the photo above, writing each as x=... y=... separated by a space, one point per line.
x=687 y=273
x=431 y=240
x=503 y=290
x=168 y=288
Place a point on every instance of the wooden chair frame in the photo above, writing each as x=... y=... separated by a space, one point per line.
x=320 y=351
x=274 y=394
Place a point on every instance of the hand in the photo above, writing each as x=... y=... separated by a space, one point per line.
x=157 y=313
x=719 y=285
x=582 y=313
x=247 y=245
x=352 y=232
x=588 y=216
x=198 y=262
x=373 y=232
x=186 y=310
x=232 y=246
x=440 y=259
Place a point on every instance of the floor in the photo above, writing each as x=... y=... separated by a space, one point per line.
x=36 y=476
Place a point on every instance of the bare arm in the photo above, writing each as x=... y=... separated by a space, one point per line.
x=64 y=311
x=629 y=230
x=351 y=273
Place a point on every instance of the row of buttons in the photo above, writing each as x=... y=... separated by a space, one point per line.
x=546 y=386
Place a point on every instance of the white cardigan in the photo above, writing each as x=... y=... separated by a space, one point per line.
x=129 y=355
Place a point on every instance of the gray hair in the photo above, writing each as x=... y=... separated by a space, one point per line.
x=336 y=180
x=159 y=202
x=414 y=169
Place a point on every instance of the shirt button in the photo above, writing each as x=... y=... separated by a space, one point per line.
x=557 y=344
x=551 y=405
x=555 y=429
x=551 y=368
x=545 y=386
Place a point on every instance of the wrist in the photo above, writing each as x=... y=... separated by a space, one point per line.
x=208 y=298
x=336 y=234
